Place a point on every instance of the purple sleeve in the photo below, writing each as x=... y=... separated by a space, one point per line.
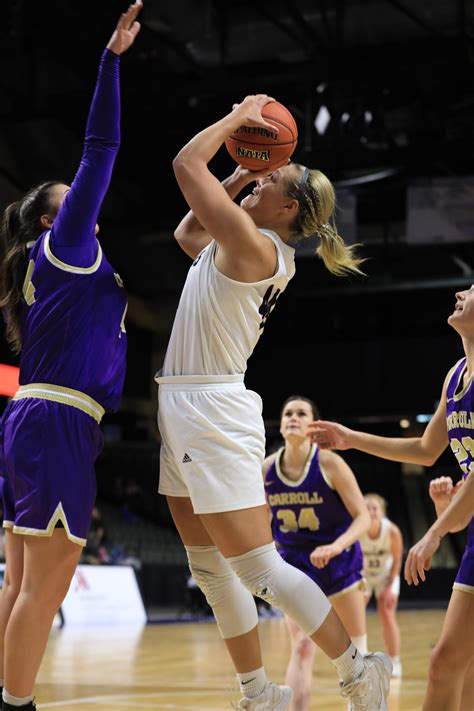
x=73 y=231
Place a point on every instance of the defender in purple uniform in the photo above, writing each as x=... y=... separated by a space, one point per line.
x=318 y=515
x=451 y=674
x=64 y=307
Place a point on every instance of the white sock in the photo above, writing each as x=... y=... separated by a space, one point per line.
x=361 y=643
x=395 y=660
x=16 y=700
x=252 y=683
x=350 y=664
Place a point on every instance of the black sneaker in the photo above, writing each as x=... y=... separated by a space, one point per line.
x=27 y=707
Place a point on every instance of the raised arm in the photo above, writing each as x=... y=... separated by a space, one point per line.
x=461 y=509
x=344 y=482
x=191 y=236
x=442 y=490
x=417 y=450
x=76 y=220
x=241 y=244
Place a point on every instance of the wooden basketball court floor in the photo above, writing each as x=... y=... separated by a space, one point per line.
x=185 y=666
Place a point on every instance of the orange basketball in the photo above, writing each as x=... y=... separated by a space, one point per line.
x=258 y=148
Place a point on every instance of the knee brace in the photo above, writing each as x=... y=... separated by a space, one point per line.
x=264 y=572
x=232 y=604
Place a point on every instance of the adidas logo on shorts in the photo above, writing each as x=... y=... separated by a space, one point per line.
x=186 y=458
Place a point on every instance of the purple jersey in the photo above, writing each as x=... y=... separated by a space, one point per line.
x=306 y=511
x=72 y=318
x=73 y=346
x=460 y=424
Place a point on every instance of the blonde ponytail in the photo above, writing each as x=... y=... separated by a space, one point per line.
x=317 y=201
x=337 y=256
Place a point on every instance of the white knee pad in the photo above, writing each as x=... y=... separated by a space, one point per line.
x=232 y=604
x=264 y=572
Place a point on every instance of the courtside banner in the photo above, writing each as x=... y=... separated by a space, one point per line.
x=102 y=595
x=9 y=375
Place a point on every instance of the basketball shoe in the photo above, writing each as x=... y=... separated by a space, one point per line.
x=272 y=698
x=369 y=691
x=27 y=707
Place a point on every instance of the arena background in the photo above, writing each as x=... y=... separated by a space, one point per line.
x=383 y=94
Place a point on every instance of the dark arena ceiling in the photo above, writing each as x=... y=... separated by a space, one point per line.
x=395 y=78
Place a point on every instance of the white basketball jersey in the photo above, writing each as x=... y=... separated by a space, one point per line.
x=219 y=321
x=377 y=552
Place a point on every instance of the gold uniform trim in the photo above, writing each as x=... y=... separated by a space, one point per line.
x=66 y=396
x=282 y=476
x=459 y=395
x=68 y=267
x=58 y=515
x=358 y=585
x=464 y=588
x=28 y=286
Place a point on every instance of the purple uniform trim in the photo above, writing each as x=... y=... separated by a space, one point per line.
x=305 y=514
x=460 y=424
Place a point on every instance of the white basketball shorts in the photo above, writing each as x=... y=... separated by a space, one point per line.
x=375 y=585
x=213 y=442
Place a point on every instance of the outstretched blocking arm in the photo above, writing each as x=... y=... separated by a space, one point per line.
x=460 y=509
x=77 y=217
x=417 y=450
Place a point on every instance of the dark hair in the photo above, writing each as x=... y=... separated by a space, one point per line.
x=21 y=224
x=317 y=201
x=313 y=406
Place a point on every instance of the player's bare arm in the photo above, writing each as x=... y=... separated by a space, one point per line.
x=423 y=450
x=191 y=236
x=245 y=254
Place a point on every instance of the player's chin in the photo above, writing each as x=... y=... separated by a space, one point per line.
x=462 y=324
x=246 y=202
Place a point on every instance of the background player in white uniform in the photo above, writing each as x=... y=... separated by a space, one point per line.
x=382 y=546
x=211 y=426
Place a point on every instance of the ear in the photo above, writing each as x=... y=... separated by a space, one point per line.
x=46 y=221
x=291 y=207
